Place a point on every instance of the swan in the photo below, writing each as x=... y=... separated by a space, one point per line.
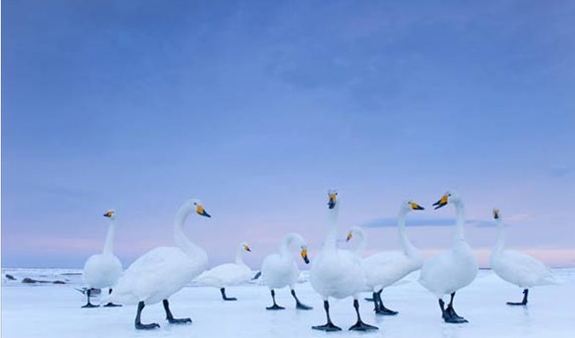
x=279 y=269
x=103 y=270
x=163 y=271
x=451 y=270
x=337 y=273
x=515 y=267
x=386 y=268
x=228 y=274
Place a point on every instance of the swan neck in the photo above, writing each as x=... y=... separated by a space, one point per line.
x=500 y=244
x=239 y=255
x=460 y=220
x=110 y=235
x=180 y=238
x=406 y=245
x=332 y=221
x=362 y=243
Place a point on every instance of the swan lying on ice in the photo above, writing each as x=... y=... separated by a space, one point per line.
x=163 y=271
x=453 y=269
x=280 y=270
x=516 y=267
x=337 y=273
x=228 y=274
x=103 y=270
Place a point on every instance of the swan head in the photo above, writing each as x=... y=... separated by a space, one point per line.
x=196 y=205
x=246 y=247
x=294 y=241
x=448 y=197
x=332 y=195
x=354 y=232
x=111 y=214
x=496 y=215
x=410 y=205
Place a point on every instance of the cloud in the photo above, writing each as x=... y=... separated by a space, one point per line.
x=560 y=171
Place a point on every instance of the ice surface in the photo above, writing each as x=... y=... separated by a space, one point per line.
x=48 y=310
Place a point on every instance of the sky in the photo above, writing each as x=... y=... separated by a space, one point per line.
x=258 y=108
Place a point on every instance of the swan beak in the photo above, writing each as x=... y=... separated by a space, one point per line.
x=349 y=236
x=109 y=214
x=304 y=255
x=441 y=203
x=201 y=211
x=332 y=199
x=496 y=213
x=415 y=206
x=247 y=248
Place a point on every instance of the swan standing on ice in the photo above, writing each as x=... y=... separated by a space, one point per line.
x=163 y=271
x=452 y=270
x=280 y=270
x=337 y=273
x=103 y=270
x=515 y=267
x=228 y=274
x=385 y=268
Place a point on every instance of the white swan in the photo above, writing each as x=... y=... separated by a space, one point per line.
x=280 y=270
x=386 y=268
x=452 y=270
x=517 y=268
x=337 y=273
x=103 y=270
x=163 y=271
x=228 y=274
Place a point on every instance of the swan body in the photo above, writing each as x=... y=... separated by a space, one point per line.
x=336 y=272
x=228 y=274
x=279 y=269
x=103 y=270
x=515 y=267
x=163 y=271
x=453 y=269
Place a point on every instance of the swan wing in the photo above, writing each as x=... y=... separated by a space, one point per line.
x=385 y=268
x=225 y=275
x=521 y=269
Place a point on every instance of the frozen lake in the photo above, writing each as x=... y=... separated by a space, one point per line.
x=48 y=310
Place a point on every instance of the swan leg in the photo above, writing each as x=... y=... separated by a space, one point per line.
x=224 y=297
x=88 y=304
x=380 y=308
x=171 y=318
x=452 y=312
x=110 y=304
x=524 y=301
x=299 y=305
x=275 y=306
x=329 y=325
x=360 y=325
x=137 y=322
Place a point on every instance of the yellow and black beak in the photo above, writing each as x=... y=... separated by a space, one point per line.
x=415 y=206
x=349 y=236
x=441 y=203
x=247 y=248
x=201 y=211
x=332 y=200
x=109 y=214
x=304 y=255
x=496 y=213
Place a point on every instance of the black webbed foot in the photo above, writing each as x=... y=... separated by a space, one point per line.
x=361 y=326
x=179 y=320
x=301 y=306
x=275 y=307
x=329 y=327
x=140 y=326
x=89 y=306
x=112 y=305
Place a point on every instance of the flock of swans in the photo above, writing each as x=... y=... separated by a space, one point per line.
x=335 y=272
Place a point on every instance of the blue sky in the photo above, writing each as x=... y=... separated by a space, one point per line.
x=259 y=107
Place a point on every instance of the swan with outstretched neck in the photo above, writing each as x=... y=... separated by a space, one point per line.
x=388 y=267
x=337 y=273
x=280 y=270
x=163 y=271
x=228 y=274
x=515 y=267
x=453 y=269
x=103 y=270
